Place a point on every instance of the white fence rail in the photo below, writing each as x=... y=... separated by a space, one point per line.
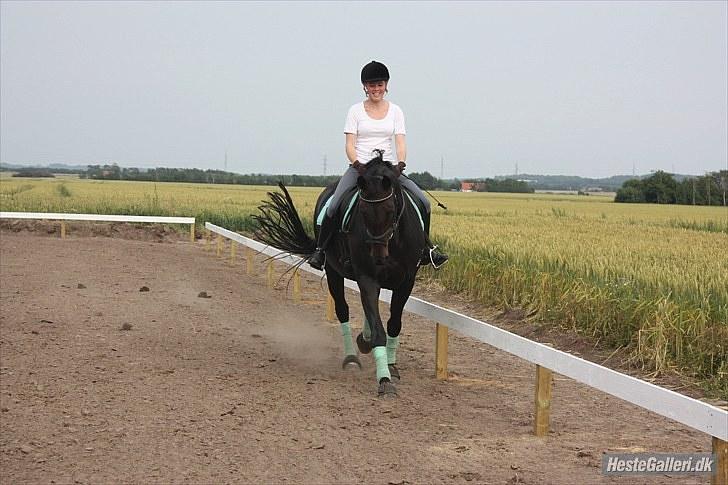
x=683 y=409
x=61 y=216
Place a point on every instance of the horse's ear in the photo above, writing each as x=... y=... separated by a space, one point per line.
x=361 y=182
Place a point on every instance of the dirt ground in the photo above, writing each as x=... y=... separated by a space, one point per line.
x=104 y=382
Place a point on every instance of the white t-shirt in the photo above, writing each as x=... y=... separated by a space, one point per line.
x=374 y=134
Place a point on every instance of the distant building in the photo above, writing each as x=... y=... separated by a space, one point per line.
x=467 y=186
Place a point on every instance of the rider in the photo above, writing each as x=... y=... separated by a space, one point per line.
x=369 y=126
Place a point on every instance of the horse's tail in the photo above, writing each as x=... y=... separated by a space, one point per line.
x=280 y=226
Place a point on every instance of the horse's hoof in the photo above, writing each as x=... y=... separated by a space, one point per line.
x=364 y=346
x=351 y=359
x=387 y=389
x=394 y=372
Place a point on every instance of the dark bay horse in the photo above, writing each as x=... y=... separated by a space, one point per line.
x=379 y=247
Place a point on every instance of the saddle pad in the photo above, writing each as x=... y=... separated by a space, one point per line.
x=322 y=213
x=417 y=209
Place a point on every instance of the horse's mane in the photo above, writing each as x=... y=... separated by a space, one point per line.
x=377 y=165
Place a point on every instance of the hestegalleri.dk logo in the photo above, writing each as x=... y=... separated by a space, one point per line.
x=647 y=463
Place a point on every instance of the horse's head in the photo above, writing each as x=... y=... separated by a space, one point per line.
x=378 y=185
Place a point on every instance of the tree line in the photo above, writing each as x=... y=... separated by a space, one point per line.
x=195 y=175
x=428 y=181
x=34 y=172
x=662 y=188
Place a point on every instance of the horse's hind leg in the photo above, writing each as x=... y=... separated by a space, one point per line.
x=394 y=324
x=336 y=289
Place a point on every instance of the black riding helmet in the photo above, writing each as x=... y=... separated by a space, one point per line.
x=374 y=71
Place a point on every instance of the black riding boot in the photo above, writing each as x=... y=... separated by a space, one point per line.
x=326 y=232
x=431 y=255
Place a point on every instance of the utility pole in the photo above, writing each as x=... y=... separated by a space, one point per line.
x=442 y=167
x=324 y=165
x=516 y=169
x=226 y=159
x=693 y=191
x=707 y=182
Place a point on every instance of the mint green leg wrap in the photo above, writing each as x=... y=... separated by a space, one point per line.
x=348 y=343
x=366 y=331
x=392 y=344
x=380 y=358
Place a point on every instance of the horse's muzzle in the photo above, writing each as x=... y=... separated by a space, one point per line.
x=379 y=252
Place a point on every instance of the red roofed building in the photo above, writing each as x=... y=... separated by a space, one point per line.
x=467 y=186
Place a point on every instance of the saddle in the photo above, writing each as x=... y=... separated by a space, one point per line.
x=348 y=200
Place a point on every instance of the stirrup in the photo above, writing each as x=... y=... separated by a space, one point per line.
x=432 y=260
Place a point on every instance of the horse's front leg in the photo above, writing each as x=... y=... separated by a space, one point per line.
x=369 y=289
x=336 y=289
x=394 y=324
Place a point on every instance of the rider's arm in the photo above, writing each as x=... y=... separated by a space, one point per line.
x=351 y=147
x=401 y=146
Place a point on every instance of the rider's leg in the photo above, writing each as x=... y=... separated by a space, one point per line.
x=326 y=232
x=417 y=191
x=328 y=226
x=431 y=255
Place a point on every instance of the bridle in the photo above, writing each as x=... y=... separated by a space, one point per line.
x=382 y=239
x=376 y=201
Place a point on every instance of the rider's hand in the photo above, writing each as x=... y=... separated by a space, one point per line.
x=400 y=167
x=358 y=166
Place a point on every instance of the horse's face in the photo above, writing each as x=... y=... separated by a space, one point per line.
x=377 y=207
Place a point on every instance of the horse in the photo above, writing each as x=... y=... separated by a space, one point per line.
x=379 y=246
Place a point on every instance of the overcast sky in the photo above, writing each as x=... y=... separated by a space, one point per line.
x=588 y=89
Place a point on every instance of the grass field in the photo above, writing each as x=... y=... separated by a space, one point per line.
x=653 y=279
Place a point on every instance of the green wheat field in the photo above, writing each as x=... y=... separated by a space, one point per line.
x=650 y=278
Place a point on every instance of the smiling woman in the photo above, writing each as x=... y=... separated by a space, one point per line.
x=369 y=129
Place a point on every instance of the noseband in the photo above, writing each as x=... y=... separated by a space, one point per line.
x=382 y=239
